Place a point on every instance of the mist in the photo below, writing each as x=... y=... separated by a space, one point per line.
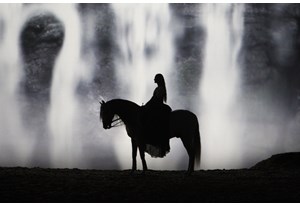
x=233 y=65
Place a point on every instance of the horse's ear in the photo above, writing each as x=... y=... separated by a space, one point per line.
x=102 y=102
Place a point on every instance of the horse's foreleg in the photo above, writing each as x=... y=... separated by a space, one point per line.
x=134 y=151
x=142 y=155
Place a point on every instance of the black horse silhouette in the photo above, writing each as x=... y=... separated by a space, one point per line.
x=183 y=124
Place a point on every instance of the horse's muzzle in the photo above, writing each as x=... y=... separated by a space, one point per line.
x=107 y=126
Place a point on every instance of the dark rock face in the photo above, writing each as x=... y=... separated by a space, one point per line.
x=41 y=40
x=189 y=47
x=104 y=81
x=271 y=49
x=257 y=44
x=285 y=161
x=271 y=42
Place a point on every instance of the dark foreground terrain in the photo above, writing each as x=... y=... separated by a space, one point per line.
x=268 y=181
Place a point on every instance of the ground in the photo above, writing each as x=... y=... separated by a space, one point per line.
x=257 y=184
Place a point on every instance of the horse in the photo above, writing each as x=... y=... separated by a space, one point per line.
x=183 y=124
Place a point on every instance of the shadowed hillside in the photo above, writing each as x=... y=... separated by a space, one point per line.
x=285 y=161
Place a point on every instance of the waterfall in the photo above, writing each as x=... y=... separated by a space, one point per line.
x=70 y=68
x=68 y=123
x=220 y=84
x=63 y=118
x=14 y=143
x=145 y=41
x=145 y=37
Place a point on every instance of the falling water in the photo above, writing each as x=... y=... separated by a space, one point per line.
x=14 y=143
x=145 y=41
x=219 y=88
x=72 y=123
x=68 y=71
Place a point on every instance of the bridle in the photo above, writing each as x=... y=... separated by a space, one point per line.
x=116 y=122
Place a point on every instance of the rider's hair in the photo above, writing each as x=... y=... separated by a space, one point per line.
x=159 y=79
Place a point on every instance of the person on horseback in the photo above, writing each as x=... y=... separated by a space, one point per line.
x=160 y=92
x=155 y=117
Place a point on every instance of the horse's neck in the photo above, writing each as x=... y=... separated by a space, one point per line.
x=124 y=109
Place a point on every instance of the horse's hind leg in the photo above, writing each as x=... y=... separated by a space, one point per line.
x=134 y=152
x=189 y=150
x=191 y=163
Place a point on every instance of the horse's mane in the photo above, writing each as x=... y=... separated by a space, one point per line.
x=131 y=106
x=118 y=100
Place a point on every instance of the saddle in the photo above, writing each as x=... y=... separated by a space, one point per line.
x=155 y=120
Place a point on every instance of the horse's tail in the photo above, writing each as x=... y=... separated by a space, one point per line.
x=197 y=146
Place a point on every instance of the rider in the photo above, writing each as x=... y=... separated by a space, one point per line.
x=160 y=92
x=156 y=115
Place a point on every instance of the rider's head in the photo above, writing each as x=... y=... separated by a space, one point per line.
x=159 y=79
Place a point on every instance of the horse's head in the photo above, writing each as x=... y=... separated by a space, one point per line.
x=106 y=115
